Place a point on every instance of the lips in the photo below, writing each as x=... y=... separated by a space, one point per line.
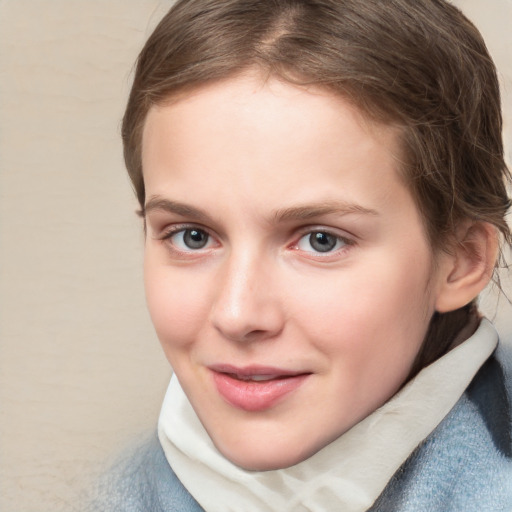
x=255 y=388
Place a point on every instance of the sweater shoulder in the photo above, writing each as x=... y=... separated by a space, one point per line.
x=466 y=463
x=142 y=480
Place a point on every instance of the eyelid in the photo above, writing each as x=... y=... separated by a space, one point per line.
x=319 y=228
x=168 y=232
x=348 y=240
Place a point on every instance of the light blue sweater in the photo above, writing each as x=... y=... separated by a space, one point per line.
x=465 y=465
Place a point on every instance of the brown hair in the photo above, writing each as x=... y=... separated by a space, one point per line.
x=418 y=64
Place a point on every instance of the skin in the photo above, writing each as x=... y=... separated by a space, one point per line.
x=257 y=166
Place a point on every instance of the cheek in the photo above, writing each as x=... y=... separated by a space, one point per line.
x=175 y=302
x=381 y=304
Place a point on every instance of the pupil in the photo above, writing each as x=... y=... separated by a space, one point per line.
x=195 y=239
x=322 y=242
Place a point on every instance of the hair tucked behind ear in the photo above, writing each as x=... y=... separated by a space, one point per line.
x=417 y=64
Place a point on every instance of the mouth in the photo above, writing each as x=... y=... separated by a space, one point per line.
x=254 y=388
x=256 y=378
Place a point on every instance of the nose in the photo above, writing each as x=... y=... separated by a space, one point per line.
x=246 y=305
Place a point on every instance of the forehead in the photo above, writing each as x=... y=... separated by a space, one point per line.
x=254 y=101
x=244 y=91
x=268 y=139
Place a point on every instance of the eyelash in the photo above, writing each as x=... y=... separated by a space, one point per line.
x=310 y=231
x=174 y=230
x=322 y=236
x=325 y=255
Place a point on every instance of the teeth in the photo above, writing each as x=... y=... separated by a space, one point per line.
x=258 y=378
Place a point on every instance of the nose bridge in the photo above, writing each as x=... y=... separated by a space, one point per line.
x=245 y=305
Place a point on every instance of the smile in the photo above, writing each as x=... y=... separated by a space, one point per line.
x=255 y=389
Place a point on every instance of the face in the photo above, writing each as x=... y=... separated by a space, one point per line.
x=287 y=270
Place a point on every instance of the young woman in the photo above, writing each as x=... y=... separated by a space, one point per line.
x=323 y=192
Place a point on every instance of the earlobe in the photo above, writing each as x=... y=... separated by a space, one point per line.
x=465 y=272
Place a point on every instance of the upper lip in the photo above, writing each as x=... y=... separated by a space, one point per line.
x=249 y=371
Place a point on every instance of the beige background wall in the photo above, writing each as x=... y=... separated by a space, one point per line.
x=81 y=373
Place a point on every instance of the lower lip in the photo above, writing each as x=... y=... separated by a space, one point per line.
x=255 y=395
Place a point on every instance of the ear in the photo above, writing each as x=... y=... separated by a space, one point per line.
x=466 y=270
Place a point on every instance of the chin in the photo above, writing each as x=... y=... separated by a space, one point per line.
x=262 y=462
x=264 y=458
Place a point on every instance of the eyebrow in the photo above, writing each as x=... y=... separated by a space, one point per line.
x=294 y=213
x=308 y=212
x=157 y=203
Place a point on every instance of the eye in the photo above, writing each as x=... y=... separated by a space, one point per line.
x=320 y=241
x=189 y=239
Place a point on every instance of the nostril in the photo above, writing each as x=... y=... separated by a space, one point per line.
x=248 y=336
x=257 y=334
x=248 y=328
